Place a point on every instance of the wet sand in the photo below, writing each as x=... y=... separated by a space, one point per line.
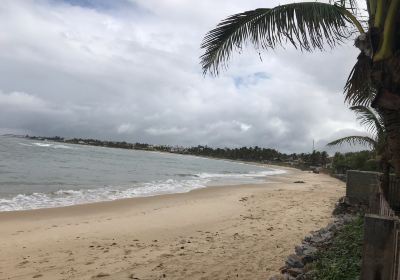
x=228 y=232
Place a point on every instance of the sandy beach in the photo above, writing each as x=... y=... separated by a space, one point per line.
x=229 y=232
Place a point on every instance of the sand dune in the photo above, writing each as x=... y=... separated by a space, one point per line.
x=230 y=232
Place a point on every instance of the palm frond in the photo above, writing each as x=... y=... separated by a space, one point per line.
x=355 y=9
x=307 y=26
x=348 y=4
x=370 y=119
x=354 y=140
x=358 y=89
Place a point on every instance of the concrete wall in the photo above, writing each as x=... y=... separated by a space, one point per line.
x=380 y=252
x=361 y=185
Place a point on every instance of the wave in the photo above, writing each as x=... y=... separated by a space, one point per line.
x=42 y=144
x=24 y=144
x=50 y=145
x=187 y=175
x=73 y=197
x=260 y=174
x=67 y=197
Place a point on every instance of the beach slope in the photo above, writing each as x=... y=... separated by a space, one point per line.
x=229 y=232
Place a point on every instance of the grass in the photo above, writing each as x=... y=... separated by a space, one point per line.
x=342 y=260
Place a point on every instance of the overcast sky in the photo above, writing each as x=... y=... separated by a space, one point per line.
x=129 y=70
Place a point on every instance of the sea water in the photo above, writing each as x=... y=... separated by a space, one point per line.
x=41 y=174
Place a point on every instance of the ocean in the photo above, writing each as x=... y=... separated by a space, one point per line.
x=41 y=174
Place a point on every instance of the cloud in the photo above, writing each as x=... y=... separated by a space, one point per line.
x=21 y=100
x=165 y=130
x=129 y=70
x=125 y=128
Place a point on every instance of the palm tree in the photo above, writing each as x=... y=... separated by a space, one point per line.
x=377 y=141
x=374 y=124
x=309 y=26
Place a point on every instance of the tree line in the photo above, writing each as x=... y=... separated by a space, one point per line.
x=339 y=163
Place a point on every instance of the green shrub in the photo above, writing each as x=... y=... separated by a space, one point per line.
x=342 y=260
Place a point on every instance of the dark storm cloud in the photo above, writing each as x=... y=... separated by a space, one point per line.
x=131 y=72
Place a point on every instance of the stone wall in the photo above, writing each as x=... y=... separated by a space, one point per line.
x=361 y=185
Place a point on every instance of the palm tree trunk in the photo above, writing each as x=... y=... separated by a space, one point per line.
x=392 y=124
x=385 y=77
x=385 y=179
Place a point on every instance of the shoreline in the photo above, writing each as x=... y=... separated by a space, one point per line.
x=266 y=177
x=119 y=203
x=224 y=232
x=128 y=200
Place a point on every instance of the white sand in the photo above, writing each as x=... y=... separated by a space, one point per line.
x=235 y=232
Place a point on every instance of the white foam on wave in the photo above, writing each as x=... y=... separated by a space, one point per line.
x=24 y=144
x=59 y=146
x=50 y=145
x=42 y=144
x=73 y=197
x=260 y=174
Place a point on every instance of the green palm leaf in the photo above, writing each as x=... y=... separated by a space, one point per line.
x=307 y=26
x=358 y=89
x=353 y=140
x=371 y=120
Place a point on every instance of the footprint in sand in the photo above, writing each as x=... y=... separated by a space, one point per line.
x=101 y=275
x=23 y=263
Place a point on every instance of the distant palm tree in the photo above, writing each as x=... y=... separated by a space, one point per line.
x=311 y=26
x=377 y=141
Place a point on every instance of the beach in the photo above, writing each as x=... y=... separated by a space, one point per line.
x=224 y=232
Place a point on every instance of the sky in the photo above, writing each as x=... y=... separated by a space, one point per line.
x=130 y=70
